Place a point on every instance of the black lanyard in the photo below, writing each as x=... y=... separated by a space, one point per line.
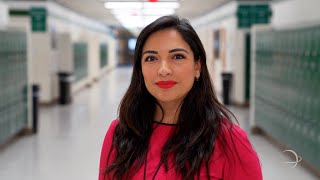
x=145 y=169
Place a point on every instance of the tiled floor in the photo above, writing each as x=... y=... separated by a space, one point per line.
x=67 y=146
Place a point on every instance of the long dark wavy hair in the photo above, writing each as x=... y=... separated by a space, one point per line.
x=199 y=121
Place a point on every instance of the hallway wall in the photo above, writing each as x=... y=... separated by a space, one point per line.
x=3 y=14
x=44 y=58
x=232 y=43
x=295 y=13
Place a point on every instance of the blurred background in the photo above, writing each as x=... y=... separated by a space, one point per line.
x=65 y=65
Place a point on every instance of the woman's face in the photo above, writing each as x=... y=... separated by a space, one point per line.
x=168 y=66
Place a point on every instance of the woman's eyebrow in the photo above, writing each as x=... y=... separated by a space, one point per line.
x=150 y=52
x=178 y=49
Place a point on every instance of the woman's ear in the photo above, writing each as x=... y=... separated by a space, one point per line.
x=197 y=67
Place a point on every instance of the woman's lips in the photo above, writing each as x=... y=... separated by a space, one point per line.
x=166 y=84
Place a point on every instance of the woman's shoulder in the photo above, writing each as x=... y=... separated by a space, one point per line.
x=106 y=146
x=109 y=135
x=238 y=155
x=113 y=125
x=232 y=134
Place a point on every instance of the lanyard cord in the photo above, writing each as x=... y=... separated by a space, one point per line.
x=145 y=165
x=145 y=169
x=158 y=168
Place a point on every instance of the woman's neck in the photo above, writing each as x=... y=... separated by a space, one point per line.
x=171 y=113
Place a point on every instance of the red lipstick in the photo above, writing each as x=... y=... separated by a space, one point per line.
x=166 y=84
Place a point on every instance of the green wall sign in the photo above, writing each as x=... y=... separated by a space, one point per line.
x=38 y=19
x=249 y=15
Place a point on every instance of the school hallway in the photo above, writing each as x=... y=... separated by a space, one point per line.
x=69 y=140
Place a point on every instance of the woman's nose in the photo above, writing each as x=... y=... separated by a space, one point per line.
x=164 y=68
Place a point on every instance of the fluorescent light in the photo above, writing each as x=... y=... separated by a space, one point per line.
x=126 y=12
x=138 y=14
x=123 y=5
x=147 y=12
x=139 y=5
x=157 y=11
x=171 y=5
x=136 y=21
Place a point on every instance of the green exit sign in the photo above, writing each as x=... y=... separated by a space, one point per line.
x=38 y=19
x=249 y=15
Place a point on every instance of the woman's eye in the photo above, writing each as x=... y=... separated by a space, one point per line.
x=178 y=56
x=149 y=59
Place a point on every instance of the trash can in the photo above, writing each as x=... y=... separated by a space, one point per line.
x=226 y=85
x=65 y=81
x=35 y=103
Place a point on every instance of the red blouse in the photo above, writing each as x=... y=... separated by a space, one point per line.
x=243 y=165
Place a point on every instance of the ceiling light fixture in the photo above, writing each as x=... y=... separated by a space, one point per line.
x=137 y=14
x=123 y=5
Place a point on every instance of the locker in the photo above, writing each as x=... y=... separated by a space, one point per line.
x=103 y=55
x=12 y=58
x=80 y=60
x=287 y=88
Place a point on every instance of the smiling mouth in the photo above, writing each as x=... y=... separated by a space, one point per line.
x=166 y=84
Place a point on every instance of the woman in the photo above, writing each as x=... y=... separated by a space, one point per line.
x=171 y=125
